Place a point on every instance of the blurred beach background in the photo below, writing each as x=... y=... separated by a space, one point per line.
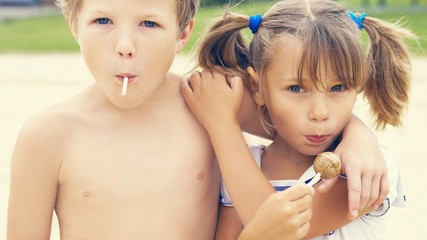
x=40 y=65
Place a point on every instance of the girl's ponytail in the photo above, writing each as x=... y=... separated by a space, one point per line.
x=224 y=48
x=388 y=79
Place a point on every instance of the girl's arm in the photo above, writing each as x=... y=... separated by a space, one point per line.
x=33 y=184
x=365 y=167
x=216 y=106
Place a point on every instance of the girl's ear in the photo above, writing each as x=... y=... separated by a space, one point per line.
x=254 y=81
x=185 y=36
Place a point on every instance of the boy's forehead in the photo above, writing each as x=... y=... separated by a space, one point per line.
x=137 y=5
x=153 y=9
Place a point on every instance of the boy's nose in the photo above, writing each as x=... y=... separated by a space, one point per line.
x=126 y=52
x=125 y=47
x=319 y=111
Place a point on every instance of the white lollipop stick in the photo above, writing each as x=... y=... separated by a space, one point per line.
x=125 y=86
x=314 y=180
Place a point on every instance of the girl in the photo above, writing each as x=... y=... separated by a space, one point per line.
x=304 y=67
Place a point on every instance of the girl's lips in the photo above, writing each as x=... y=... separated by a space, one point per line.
x=317 y=139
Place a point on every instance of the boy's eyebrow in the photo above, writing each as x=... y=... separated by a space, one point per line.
x=152 y=16
x=99 y=12
x=106 y=13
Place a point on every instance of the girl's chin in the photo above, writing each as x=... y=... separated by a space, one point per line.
x=314 y=151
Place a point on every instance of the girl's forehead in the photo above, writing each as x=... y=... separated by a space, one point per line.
x=286 y=44
x=284 y=55
x=285 y=50
x=285 y=61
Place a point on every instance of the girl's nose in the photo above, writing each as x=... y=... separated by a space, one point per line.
x=319 y=111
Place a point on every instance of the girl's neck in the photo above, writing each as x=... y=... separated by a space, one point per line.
x=281 y=161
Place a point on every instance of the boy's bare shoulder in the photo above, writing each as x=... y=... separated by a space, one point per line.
x=51 y=126
x=44 y=138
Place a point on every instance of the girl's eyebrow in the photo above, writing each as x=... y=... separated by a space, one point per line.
x=292 y=79
x=286 y=80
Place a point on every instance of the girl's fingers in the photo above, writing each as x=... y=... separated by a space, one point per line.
x=375 y=190
x=186 y=89
x=384 y=190
x=195 y=80
x=367 y=183
x=236 y=84
x=303 y=204
x=327 y=184
x=296 y=192
x=307 y=212
x=303 y=230
x=218 y=75
x=354 y=191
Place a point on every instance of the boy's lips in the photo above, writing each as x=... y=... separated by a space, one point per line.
x=317 y=139
x=121 y=77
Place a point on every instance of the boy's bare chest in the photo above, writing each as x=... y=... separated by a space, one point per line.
x=136 y=155
x=159 y=172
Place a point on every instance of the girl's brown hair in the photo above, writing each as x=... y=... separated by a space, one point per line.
x=329 y=35
x=186 y=10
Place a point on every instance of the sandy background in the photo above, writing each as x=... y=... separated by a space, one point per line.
x=30 y=83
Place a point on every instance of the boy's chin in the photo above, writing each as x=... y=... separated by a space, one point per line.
x=126 y=102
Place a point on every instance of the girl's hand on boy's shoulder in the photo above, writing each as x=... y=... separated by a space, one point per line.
x=213 y=97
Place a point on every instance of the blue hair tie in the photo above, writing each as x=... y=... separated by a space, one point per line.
x=254 y=22
x=358 y=21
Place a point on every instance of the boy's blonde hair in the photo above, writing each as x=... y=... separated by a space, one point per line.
x=329 y=35
x=186 y=10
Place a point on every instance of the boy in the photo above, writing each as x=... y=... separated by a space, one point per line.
x=113 y=166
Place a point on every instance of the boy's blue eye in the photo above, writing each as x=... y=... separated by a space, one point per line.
x=338 y=88
x=149 y=24
x=103 y=20
x=296 y=89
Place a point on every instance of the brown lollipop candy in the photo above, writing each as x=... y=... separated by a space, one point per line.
x=327 y=165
